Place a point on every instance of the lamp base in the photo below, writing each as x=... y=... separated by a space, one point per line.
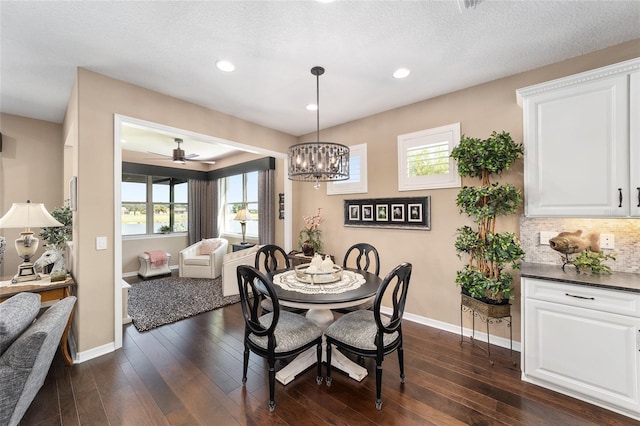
x=26 y=272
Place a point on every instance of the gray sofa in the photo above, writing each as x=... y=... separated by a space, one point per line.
x=27 y=348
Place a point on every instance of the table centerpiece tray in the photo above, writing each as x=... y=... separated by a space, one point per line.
x=311 y=274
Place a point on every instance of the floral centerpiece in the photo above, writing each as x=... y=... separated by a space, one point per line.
x=309 y=238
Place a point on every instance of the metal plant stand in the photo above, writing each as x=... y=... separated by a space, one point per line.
x=488 y=313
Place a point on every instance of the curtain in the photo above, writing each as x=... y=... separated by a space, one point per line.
x=203 y=210
x=266 y=207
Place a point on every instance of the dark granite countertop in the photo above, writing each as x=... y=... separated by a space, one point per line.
x=624 y=281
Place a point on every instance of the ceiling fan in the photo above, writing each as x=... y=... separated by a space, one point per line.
x=180 y=157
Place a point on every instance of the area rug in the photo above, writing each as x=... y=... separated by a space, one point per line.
x=165 y=300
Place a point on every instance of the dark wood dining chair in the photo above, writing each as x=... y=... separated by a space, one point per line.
x=365 y=257
x=276 y=335
x=369 y=333
x=270 y=258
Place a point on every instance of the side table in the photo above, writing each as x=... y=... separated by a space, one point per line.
x=48 y=291
x=240 y=246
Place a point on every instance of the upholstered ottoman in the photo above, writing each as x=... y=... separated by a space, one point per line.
x=148 y=270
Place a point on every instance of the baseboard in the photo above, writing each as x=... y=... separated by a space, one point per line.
x=94 y=353
x=455 y=329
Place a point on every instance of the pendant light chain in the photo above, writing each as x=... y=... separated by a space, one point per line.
x=318 y=161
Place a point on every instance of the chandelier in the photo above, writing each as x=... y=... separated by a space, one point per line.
x=318 y=161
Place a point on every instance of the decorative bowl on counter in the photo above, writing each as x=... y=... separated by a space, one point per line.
x=311 y=274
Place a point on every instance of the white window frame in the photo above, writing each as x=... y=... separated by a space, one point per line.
x=449 y=133
x=357 y=154
x=224 y=204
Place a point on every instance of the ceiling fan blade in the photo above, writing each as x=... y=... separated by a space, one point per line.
x=156 y=153
x=190 y=156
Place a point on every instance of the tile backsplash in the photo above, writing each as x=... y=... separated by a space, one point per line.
x=626 y=234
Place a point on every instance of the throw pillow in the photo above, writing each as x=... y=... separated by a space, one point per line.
x=208 y=246
x=16 y=315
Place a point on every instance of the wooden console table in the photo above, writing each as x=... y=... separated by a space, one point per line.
x=48 y=291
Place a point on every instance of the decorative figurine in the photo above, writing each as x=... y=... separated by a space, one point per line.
x=572 y=242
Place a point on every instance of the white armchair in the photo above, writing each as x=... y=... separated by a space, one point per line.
x=203 y=259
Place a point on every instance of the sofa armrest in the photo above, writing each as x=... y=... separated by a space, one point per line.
x=230 y=265
x=217 y=257
x=192 y=250
x=26 y=362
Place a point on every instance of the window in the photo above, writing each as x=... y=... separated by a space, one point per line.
x=154 y=204
x=424 y=159
x=238 y=192
x=357 y=182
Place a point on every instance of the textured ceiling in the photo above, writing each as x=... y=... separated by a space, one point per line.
x=171 y=47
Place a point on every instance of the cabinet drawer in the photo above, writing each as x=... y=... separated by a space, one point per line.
x=600 y=299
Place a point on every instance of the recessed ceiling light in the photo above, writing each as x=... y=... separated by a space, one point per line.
x=312 y=107
x=401 y=73
x=225 y=66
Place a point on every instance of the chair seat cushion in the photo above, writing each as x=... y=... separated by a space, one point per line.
x=292 y=331
x=197 y=260
x=358 y=329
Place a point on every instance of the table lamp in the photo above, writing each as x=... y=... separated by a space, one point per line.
x=27 y=215
x=243 y=216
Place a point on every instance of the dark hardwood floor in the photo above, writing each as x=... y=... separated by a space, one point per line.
x=189 y=373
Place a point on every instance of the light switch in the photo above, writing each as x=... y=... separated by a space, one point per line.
x=101 y=243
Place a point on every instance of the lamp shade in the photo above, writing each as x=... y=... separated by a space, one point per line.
x=28 y=215
x=243 y=215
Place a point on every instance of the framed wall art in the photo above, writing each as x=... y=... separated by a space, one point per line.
x=406 y=213
x=281 y=206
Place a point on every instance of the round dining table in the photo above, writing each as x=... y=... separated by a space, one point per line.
x=319 y=300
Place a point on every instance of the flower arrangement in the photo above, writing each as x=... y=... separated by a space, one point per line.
x=310 y=235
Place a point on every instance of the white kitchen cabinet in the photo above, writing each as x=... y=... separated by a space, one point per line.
x=583 y=341
x=634 y=136
x=582 y=144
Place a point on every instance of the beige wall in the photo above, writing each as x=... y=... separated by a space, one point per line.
x=30 y=169
x=131 y=248
x=480 y=110
x=99 y=98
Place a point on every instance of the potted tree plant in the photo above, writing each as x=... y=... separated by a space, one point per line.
x=484 y=277
x=57 y=237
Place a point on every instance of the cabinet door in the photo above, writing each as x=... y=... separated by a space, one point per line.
x=576 y=150
x=634 y=152
x=585 y=352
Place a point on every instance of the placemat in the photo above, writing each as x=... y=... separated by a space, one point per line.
x=350 y=281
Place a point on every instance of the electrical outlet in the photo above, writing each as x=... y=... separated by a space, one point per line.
x=607 y=241
x=545 y=236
